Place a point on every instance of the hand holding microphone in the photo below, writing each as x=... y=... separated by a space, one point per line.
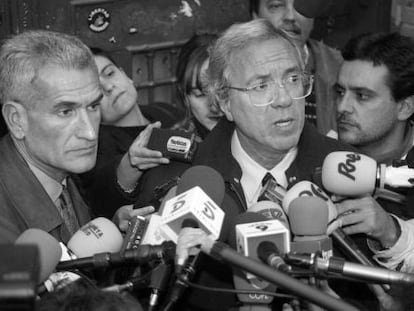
x=352 y=174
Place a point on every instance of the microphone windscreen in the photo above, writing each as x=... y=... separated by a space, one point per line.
x=270 y=210
x=349 y=173
x=207 y=178
x=308 y=216
x=100 y=235
x=49 y=250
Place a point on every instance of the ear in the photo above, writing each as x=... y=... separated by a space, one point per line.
x=225 y=106
x=15 y=116
x=405 y=108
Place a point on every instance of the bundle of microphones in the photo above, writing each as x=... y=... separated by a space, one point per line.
x=282 y=238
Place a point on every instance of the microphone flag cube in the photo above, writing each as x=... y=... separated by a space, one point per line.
x=192 y=204
x=250 y=235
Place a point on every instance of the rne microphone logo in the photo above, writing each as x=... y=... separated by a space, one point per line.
x=349 y=166
x=178 y=144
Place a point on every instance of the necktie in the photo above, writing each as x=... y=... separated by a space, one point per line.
x=266 y=179
x=67 y=211
x=271 y=190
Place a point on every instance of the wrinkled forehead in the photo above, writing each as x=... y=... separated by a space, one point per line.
x=275 y=55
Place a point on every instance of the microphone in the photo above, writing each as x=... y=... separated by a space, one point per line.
x=250 y=230
x=225 y=253
x=97 y=236
x=48 y=247
x=270 y=210
x=173 y=144
x=269 y=253
x=357 y=271
x=307 y=188
x=353 y=174
x=141 y=254
x=309 y=236
x=160 y=276
x=199 y=192
x=135 y=232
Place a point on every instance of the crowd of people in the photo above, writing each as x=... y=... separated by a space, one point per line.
x=261 y=98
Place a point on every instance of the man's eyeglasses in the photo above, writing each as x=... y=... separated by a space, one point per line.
x=297 y=85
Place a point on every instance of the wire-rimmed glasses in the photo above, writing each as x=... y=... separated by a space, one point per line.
x=297 y=85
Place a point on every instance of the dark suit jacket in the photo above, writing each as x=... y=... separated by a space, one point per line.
x=24 y=202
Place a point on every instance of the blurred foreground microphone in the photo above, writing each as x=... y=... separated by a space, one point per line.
x=48 y=247
x=141 y=254
x=173 y=144
x=19 y=275
x=308 y=222
x=222 y=252
x=97 y=236
x=353 y=174
x=199 y=193
x=355 y=271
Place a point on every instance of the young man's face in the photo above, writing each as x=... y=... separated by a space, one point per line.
x=282 y=14
x=367 y=113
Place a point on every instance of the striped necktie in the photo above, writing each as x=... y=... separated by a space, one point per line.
x=67 y=211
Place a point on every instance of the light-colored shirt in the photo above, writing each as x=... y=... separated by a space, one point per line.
x=253 y=172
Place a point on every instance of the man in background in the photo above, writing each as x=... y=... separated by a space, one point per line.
x=320 y=60
x=375 y=103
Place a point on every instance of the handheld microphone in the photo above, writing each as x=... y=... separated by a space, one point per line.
x=357 y=271
x=250 y=230
x=206 y=188
x=141 y=254
x=353 y=174
x=48 y=247
x=225 y=253
x=160 y=276
x=269 y=253
x=97 y=236
x=309 y=236
x=135 y=232
x=173 y=144
x=270 y=210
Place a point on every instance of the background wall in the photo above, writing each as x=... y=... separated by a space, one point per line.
x=146 y=35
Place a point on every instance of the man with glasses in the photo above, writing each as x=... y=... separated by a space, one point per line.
x=258 y=77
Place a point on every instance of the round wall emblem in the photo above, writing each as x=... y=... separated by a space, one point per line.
x=99 y=19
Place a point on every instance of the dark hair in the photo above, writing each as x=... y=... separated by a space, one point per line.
x=192 y=56
x=101 y=52
x=392 y=50
x=80 y=296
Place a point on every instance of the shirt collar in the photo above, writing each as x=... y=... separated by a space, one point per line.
x=253 y=173
x=52 y=187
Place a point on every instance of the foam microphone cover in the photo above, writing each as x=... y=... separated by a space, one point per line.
x=308 y=216
x=100 y=235
x=207 y=178
x=349 y=174
x=49 y=250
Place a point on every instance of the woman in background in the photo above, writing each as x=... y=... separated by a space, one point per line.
x=202 y=114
